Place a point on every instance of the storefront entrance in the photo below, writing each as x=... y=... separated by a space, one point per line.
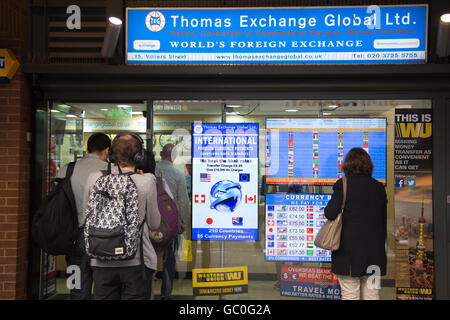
x=276 y=259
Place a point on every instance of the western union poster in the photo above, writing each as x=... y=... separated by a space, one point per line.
x=218 y=281
x=413 y=204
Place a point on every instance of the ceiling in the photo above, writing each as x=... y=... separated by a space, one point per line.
x=247 y=107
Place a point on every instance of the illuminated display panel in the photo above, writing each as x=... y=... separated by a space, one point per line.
x=312 y=151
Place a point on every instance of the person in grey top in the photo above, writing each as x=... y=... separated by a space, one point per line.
x=95 y=160
x=124 y=279
x=177 y=185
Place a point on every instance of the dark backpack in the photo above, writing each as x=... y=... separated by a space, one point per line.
x=55 y=223
x=169 y=217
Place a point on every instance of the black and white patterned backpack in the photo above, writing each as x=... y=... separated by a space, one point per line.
x=112 y=227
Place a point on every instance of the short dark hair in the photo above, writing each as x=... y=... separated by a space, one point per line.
x=166 y=152
x=98 y=142
x=123 y=148
x=358 y=161
x=149 y=164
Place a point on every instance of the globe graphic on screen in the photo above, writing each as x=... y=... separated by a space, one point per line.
x=225 y=196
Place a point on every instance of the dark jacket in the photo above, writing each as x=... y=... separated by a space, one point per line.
x=363 y=234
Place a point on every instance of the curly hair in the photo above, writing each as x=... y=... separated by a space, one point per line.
x=358 y=161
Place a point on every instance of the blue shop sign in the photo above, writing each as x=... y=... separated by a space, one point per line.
x=346 y=35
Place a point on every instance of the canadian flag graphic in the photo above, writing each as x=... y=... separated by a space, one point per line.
x=250 y=199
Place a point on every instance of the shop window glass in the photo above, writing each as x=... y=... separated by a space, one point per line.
x=264 y=275
x=172 y=123
x=70 y=126
x=409 y=234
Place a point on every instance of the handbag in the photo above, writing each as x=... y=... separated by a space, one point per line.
x=329 y=236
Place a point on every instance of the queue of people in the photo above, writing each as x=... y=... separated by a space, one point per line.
x=130 y=278
x=95 y=183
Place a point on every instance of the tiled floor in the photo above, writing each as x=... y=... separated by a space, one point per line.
x=242 y=253
x=257 y=290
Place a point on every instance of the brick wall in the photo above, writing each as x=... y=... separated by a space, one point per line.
x=15 y=114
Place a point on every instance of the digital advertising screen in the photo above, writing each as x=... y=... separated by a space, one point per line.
x=225 y=182
x=292 y=223
x=312 y=150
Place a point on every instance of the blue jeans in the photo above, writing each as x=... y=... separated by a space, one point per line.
x=168 y=272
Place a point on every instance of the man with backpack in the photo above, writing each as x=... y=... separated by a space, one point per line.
x=177 y=185
x=95 y=160
x=121 y=209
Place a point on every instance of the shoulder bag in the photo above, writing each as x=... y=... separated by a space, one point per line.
x=329 y=236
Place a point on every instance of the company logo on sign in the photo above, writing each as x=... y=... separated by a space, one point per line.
x=8 y=65
x=155 y=21
x=198 y=128
x=399 y=182
x=411 y=183
x=225 y=196
x=213 y=281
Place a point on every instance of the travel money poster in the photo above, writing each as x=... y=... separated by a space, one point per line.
x=309 y=283
x=225 y=182
x=413 y=204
